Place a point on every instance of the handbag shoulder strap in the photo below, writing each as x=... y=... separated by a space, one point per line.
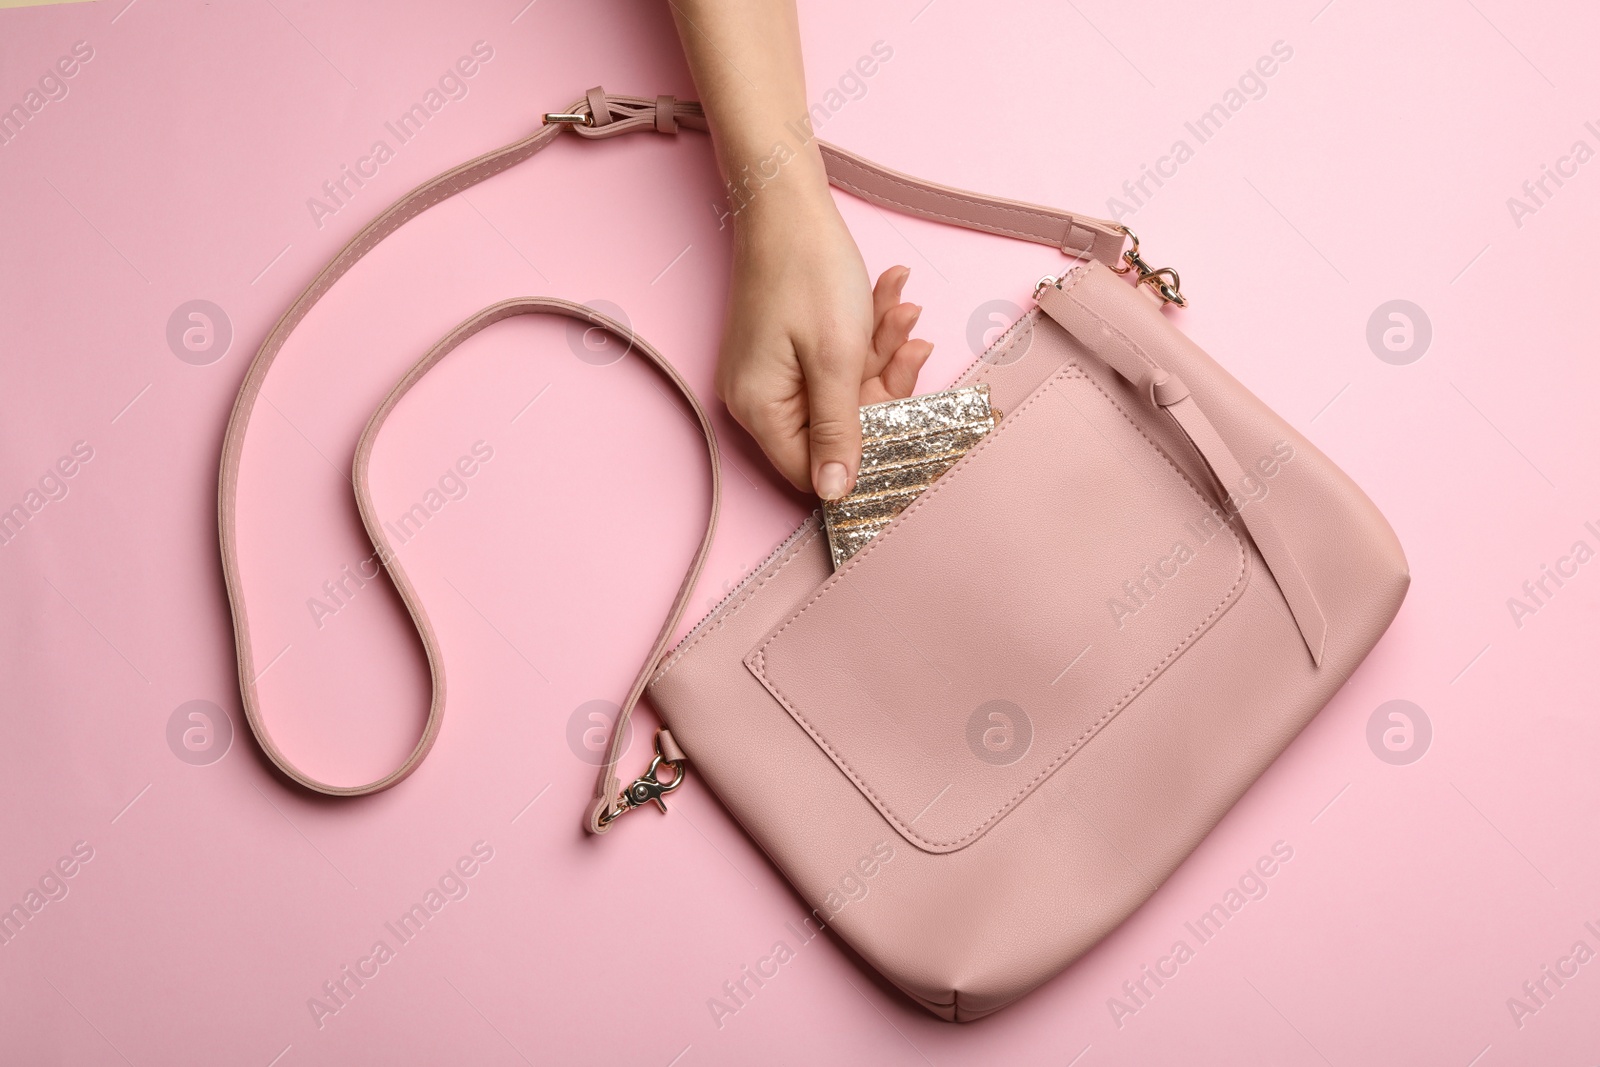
x=596 y=116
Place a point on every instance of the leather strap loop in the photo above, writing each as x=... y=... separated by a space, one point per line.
x=599 y=112
x=669 y=748
x=1167 y=390
x=1081 y=240
x=611 y=116
x=666 y=121
x=633 y=114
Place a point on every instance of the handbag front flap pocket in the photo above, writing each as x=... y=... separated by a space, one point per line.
x=1021 y=602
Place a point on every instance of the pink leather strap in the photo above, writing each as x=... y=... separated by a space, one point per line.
x=607 y=116
x=1094 y=306
x=607 y=786
x=1076 y=235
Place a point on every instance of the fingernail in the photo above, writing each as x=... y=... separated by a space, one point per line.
x=831 y=481
x=916 y=313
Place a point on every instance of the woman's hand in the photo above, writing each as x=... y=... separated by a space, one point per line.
x=808 y=341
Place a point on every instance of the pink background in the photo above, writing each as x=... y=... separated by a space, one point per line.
x=1376 y=166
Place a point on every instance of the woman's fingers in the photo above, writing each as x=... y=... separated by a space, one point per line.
x=892 y=321
x=886 y=294
x=809 y=425
x=899 y=377
x=893 y=330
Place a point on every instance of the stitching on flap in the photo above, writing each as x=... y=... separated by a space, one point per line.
x=757 y=660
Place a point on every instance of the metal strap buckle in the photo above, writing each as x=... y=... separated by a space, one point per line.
x=647 y=787
x=572 y=118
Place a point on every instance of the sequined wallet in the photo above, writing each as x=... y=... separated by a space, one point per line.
x=905 y=445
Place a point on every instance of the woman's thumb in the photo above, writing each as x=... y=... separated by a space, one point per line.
x=834 y=400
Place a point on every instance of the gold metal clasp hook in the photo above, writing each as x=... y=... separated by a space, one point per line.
x=647 y=787
x=1164 y=280
x=572 y=118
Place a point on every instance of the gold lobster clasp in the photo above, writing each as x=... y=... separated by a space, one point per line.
x=647 y=788
x=1164 y=280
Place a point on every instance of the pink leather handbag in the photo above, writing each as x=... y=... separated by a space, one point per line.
x=1018 y=708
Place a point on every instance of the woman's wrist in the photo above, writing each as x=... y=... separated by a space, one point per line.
x=786 y=185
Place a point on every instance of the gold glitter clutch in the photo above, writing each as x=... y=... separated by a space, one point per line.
x=905 y=445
